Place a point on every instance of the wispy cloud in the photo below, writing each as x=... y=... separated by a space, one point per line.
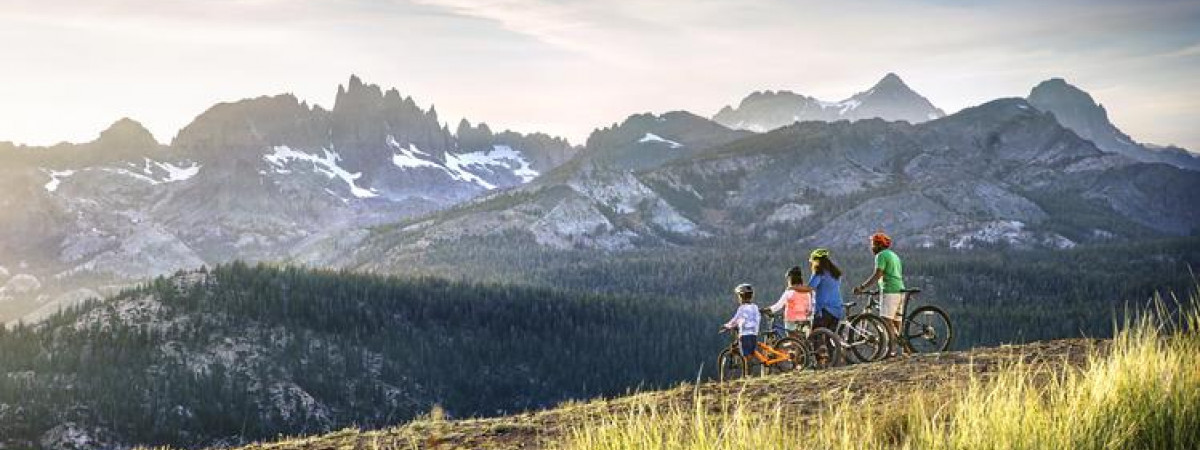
x=566 y=66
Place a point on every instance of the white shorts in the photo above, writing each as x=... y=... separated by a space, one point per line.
x=889 y=306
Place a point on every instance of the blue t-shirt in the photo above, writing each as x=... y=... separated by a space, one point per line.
x=829 y=295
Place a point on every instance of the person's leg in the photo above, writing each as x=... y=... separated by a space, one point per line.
x=749 y=344
x=889 y=309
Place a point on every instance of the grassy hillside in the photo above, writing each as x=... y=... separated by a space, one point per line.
x=1138 y=390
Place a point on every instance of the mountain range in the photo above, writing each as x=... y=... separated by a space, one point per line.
x=377 y=178
x=890 y=99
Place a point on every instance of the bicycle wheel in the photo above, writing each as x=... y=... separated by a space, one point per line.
x=730 y=366
x=798 y=355
x=824 y=347
x=928 y=330
x=867 y=337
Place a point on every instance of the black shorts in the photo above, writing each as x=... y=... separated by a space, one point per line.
x=826 y=321
x=748 y=343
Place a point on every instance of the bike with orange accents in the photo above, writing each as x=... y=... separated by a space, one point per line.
x=770 y=356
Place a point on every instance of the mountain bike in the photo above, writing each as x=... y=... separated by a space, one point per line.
x=862 y=334
x=777 y=356
x=926 y=330
x=859 y=337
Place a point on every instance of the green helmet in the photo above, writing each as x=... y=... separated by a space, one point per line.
x=818 y=253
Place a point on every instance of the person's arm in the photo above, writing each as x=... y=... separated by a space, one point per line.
x=734 y=321
x=814 y=281
x=738 y=318
x=879 y=263
x=781 y=303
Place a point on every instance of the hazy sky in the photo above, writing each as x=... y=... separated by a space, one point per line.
x=69 y=68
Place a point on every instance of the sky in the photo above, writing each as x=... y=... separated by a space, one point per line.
x=69 y=68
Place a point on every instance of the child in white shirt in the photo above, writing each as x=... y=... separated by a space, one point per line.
x=745 y=320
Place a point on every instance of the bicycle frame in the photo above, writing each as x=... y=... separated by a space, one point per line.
x=775 y=356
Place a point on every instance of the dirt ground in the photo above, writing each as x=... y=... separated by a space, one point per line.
x=802 y=393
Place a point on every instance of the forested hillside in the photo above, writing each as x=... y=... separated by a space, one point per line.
x=241 y=353
x=996 y=294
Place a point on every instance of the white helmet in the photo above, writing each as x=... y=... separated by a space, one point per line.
x=744 y=288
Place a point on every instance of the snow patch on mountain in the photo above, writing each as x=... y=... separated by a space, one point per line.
x=409 y=157
x=501 y=156
x=177 y=173
x=326 y=164
x=842 y=107
x=456 y=167
x=151 y=172
x=56 y=177
x=467 y=167
x=651 y=137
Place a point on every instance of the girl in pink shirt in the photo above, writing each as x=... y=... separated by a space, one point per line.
x=796 y=303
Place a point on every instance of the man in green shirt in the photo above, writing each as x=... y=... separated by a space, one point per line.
x=889 y=273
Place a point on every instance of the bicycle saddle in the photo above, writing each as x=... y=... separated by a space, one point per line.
x=911 y=290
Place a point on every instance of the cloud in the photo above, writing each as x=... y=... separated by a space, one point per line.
x=567 y=66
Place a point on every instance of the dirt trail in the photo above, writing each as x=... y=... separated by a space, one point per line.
x=802 y=393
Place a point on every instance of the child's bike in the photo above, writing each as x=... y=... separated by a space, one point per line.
x=775 y=356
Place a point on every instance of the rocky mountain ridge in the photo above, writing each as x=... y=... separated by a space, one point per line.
x=1077 y=110
x=889 y=99
x=1002 y=173
x=253 y=179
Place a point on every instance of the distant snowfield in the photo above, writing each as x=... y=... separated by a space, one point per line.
x=651 y=137
x=499 y=156
x=326 y=164
x=466 y=167
x=409 y=157
x=151 y=171
x=56 y=177
x=843 y=107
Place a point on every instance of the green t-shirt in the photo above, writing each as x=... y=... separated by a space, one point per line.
x=893 y=278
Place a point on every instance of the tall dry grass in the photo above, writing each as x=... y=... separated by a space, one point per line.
x=1141 y=392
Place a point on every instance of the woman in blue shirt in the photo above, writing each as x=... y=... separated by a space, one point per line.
x=826 y=281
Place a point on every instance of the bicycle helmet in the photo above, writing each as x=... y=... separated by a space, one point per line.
x=744 y=288
x=818 y=253
x=882 y=239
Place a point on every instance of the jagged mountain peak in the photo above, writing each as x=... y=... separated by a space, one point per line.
x=1076 y=109
x=891 y=81
x=892 y=99
x=889 y=99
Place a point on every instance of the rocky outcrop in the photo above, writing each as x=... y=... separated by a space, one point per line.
x=1078 y=111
